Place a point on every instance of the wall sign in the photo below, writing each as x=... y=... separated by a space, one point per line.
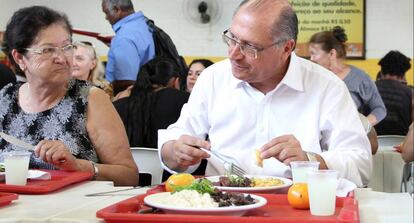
x=322 y=15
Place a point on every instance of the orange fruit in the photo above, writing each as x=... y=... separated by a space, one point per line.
x=298 y=196
x=179 y=179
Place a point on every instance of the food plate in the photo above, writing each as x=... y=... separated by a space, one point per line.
x=155 y=200
x=31 y=175
x=269 y=189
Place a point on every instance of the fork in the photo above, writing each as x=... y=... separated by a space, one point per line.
x=232 y=168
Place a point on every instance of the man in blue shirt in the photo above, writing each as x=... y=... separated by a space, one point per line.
x=132 y=45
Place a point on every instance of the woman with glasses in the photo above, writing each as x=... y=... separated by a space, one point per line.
x=87 y=66
x=73 y=125
x=328 y=49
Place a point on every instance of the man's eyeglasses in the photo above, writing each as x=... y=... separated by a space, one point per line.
x=245 y=48
x=53 y=51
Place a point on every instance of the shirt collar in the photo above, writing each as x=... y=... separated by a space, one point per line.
x=293 y=77
x=126 y=19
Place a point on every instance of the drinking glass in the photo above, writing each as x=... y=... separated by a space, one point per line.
x=301 y=168
x=17 y=166
x=322 y=189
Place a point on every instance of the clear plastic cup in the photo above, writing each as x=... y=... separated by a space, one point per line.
x=301 y=168
x=17 y=166
x=322 y=191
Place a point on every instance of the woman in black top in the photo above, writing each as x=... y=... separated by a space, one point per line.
x=155 y=102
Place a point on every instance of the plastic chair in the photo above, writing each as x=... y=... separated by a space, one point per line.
x=389 y=140
x=388 y=165
x=148 y=162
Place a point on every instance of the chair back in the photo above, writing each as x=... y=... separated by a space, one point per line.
x=386 y=141
x=388 y=165
x=148 y=161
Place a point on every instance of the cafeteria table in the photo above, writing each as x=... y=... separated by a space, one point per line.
x=71 y=205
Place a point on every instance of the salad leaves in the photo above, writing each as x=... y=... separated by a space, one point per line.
x=202 y=186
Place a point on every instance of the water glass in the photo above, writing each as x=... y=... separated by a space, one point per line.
x=322 y=189
x=301 y=168
x=17 y=166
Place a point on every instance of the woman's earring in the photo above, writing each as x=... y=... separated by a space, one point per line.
x=23 y=68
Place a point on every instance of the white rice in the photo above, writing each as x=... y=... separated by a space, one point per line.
x=190 y=198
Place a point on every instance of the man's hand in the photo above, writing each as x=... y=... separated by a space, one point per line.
x=184 y=152
x=285 y=148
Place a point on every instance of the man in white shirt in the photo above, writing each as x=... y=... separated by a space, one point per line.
x=265 y=97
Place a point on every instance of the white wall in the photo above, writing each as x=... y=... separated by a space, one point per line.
x=389 y=24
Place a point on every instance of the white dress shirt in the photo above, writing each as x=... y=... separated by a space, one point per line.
x=310 y=102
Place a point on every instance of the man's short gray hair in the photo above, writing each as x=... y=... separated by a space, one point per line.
x=285 y=27
x=124 y=5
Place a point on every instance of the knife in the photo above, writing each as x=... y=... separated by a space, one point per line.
x=17 y=142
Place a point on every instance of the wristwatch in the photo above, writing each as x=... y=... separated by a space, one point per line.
x=311 y=156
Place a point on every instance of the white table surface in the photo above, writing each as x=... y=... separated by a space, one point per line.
x=380 y=207
x=46 y=207
x=71 y=205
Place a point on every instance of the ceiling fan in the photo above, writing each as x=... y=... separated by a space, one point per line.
x=202 y=12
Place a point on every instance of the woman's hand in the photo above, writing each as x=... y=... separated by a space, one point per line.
x=56 y=153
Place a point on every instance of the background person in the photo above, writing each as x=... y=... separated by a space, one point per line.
x=396 y=95
x=132 y=45
x=67 y=119
x=154 y=102
x=328 y=49
x=88 y=67
x=261 y=98
x=195 y=68
x=6 y=76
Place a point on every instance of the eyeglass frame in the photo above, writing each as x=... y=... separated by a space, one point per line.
x=242 y=46
x=41 y=51
x=86 y=44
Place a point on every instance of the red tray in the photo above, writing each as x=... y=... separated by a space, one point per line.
x=59 y=180
x=7 y=198
x=277 y=210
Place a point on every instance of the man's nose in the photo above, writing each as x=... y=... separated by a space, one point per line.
x=235 y=52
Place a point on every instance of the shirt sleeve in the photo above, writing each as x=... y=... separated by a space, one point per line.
x=372 y=99
x=344 y=143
